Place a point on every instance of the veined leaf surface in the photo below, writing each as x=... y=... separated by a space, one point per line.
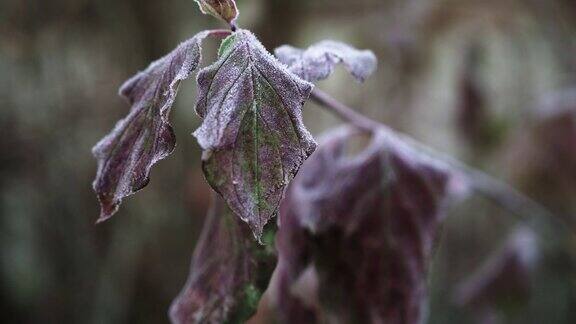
x=252 y=133
x=126 y=155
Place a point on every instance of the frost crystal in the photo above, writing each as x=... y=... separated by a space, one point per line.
x=319 y=60
x=252 y=133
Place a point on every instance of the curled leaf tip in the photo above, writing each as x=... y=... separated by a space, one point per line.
x=318 y=61
x=106 y=215
x=225 y=10
x=107 y=209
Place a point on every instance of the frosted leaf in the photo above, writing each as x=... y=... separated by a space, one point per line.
x=365 y=224
x=229 y=272
x=319 y=60
x=222 y=9
x=252 y=133
x=126 y=155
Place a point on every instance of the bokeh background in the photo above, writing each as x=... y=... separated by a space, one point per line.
x=491 y=82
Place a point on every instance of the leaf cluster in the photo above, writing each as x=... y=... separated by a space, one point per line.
x=356 y=229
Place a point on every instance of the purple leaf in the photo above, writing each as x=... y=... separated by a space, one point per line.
x=505 y=277
x=252 y=133
x=365 y=226
x=126 y=155
x=228 y=274
x=222 y=9
x=318 y=61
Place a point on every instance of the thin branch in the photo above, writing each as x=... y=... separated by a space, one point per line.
x=344 y=112
x=495 y=190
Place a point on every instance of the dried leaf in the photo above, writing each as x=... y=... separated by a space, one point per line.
x=126 y=155
x=222 y=9
x=366 y=224
x=228 y=275
x=252 y=133
x=319 y=60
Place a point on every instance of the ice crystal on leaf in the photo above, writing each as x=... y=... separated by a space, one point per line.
x=252 y=134
x=319 y=60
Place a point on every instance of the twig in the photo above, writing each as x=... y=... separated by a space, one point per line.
x=500 y=193
x=346 y=113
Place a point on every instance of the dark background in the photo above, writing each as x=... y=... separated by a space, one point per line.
x=470 y=78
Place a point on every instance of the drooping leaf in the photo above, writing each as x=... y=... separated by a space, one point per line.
x=252 y=133
x=364 y=225
x=222 y=9
x=126 y=155
x=228 y=275
x=506 y=278
x=319 y=60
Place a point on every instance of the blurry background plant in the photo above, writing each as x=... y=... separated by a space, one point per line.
x=487 y=81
